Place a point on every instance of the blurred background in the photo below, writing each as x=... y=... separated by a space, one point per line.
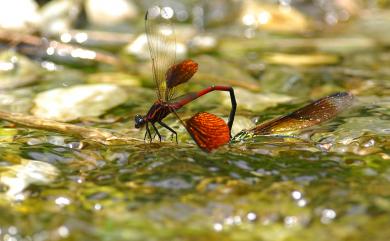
x=87 y=62
x=274 y=46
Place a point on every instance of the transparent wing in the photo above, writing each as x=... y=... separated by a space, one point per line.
x=312 y=114
x=162 y=45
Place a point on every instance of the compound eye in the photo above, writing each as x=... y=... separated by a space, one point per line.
x=139 y=121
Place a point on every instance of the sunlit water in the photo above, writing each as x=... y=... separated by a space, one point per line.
x=331 y=182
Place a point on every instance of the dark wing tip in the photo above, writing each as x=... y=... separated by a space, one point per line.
x=340 y=100
x=345 y=95
x=341 y=94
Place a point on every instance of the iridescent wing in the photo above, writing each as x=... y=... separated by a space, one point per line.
x=162 y=45
x=312 y=114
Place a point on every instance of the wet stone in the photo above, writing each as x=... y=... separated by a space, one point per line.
x=17 y=70
x=66 y=104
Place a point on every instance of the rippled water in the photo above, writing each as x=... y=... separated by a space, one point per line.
x=331 y=181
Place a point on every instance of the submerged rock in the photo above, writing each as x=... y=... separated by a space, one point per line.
x=107 y=13
x=203 y=43
x=355 y=127
x=19 y=15
x=374 y=24
x=118 y=78
x=217 y=71
x=18 y=177
x=361 y=135
x=19 y=101
x=301 y=59
x=256 y=101
x=241 y=123
x=17 y=70
x=67 y=104
x=217 y=13
x=104 y=40
x=140 y=49
x=58 y=16
x=273 y=18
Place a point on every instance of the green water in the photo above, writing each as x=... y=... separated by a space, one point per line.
x=330 y=182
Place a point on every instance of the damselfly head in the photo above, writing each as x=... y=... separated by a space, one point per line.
x=139 y=121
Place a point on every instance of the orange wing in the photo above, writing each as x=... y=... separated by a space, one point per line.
x=181 y=73
x=208 y=131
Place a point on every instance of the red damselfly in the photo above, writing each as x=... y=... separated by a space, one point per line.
x=208 y=130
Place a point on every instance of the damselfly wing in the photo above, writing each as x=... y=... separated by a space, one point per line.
x=312 y=114
x=208 y=131
x=162 y=45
